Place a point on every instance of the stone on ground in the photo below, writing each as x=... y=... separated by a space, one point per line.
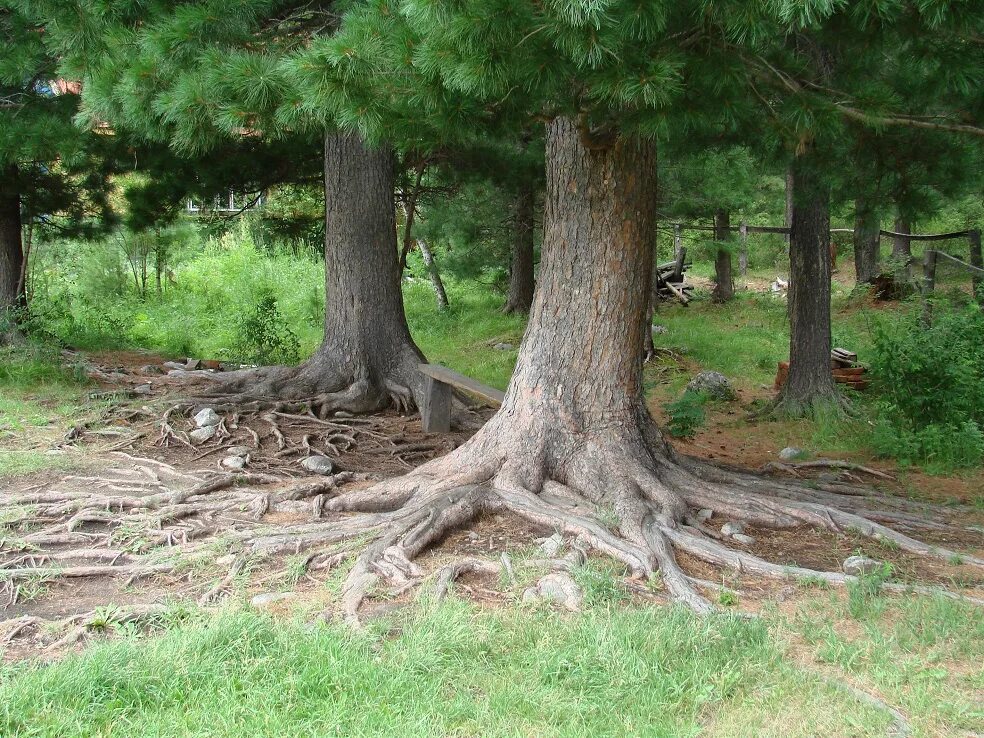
x=265 y=600
x=318 y=464
x=860 y=566
x=235 y=463
x=551 y=546
x=714 y=384
x=732 y=529
x=200 y=435
x=791 y=453
x=207 y=416
x=557 y=588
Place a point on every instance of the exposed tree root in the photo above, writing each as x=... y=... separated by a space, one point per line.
x=620 y=492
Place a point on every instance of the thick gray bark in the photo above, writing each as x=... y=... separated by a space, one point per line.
x=11 y=254
x=867 y=242
x=724 y=289
x=810 y=382
x=367 y=356
x=521 y=282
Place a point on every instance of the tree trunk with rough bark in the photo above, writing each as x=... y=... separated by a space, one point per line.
x=789 y=201
x=724 y=288
x=367 y=357
x=867 y=242
x=11 y=256
x=809 y=383
x=521 y=283
x=573 y=447
x=902 y=250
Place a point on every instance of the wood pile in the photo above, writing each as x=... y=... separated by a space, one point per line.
x=670 y=279
x=844 y=368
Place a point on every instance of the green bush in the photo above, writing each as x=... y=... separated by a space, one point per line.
x=687 y=414
x=929 y=383
x=265 y=336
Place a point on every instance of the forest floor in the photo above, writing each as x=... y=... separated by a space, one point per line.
x=817 y=661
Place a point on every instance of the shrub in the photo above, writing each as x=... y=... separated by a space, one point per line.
x=687 y=414
x=929 y=381
x=265 y=336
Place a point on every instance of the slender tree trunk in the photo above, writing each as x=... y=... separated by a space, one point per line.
x=866 y=242
x=809 y=382
x=977 y=260
x=434 y=274
x=521 y=282
x=367 y=357
x=724 y=289
x=902 y=250
x=409 y=214
x=11 y=255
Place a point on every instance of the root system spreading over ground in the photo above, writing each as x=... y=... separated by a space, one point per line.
x=158 y=513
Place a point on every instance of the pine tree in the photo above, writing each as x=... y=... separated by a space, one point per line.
x=574 y=437
x=48 y=167
x=205 y=76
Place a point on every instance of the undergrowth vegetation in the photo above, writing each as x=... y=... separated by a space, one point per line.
x=930 y=387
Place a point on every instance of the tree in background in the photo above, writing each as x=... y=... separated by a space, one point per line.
x=52 y=174
x=200 y=76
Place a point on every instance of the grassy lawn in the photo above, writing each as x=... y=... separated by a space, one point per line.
x=39 y=398
x=456 y=669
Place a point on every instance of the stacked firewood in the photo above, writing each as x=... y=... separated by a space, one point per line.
x=669 y=279
x=843 y=366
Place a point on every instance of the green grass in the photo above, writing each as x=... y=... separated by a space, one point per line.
x=38 y=398
x=452 y=670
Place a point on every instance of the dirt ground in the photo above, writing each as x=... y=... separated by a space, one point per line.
x=154 y=519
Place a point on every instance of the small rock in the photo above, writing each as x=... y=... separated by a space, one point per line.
x=503 y=347
x=473 y=536
x=732 y=529
x=660 y=329
x=174 y=365
x=558 y=588
x=235 y=463
x=705 y=514
x=206 y=417
x=343 y=414
x=200 y=435
x=318 y=464
x=263 y=601
x=551 y=546
x=143 y=389
x=742 y=538
x=193 y=364
x=151 y=369
x=713 y=384
x=790 y=453
x=239 y=450
x=226 y=560
x=860 y=566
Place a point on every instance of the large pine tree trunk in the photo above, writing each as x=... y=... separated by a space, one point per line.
x=521 y=282
x=724 y=289
x=367 y=357
x=809 y=382
x=866 y=242
x=902 y=250
x=11 y=255
x=573 y=447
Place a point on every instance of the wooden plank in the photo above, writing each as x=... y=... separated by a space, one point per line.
x=442 y=374
x=435 y=411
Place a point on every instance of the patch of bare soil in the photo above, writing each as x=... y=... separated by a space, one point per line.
x=158 y=516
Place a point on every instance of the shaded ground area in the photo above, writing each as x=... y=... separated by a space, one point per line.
x=155 y=518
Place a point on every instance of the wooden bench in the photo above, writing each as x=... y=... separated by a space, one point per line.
x=439 y=383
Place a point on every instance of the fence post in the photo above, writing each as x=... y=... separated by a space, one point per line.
x=976 y=260
x=743 y=253
x=929 y=284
